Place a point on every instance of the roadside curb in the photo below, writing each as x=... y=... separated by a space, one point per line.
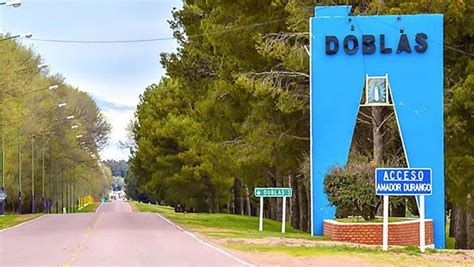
x=23 y=223
x=195 y=237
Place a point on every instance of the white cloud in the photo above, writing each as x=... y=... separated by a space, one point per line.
x=114 y=74
x=114 y=152
x=119 y=120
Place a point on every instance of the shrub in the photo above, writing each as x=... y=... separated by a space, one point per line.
x=352 y=190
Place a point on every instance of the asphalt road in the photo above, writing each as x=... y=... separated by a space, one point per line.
x=113 y=236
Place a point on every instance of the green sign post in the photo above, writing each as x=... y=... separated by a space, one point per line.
x=273 y=192
x=283 y=192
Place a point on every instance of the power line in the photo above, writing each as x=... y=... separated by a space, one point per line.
x=155 y=39
x=101 y=41
x=458 y=50
x=209 y=34
x=445 y=46
x=254 y=25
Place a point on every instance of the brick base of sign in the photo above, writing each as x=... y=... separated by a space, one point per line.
x=399 y=233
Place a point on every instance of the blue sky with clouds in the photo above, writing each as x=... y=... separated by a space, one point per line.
x=114 y=74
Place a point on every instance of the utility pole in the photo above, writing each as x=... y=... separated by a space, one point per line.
x=62 y=190
x=50 y=173
x=3 y=151
x=19 y=172
x=56 y=191
x=33 y=204
x=2 y=189
x=42 y=178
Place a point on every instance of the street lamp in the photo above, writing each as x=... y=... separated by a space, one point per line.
x=32 y=167
x=27 y=35
x=39 y=67
x=13 y=3
x=47 y=203
x=33 y=200
x=51 y=87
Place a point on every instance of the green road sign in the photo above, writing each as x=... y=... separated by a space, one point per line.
x=273 y=192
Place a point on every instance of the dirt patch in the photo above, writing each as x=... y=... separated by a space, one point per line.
x=290 y=242
x=452 y=256
x=276 y=259
x=443 y=258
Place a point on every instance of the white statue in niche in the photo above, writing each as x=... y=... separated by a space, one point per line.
x=376 y=90
x=376 y=94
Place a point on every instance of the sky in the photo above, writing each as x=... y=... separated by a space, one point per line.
x=113 y=74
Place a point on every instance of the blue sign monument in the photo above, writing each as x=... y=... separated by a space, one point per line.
x=403 y=53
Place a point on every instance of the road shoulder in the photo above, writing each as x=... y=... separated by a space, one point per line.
x=12 y=221
x=239 y=235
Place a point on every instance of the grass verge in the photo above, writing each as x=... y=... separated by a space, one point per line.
x=449 y=240
x=218 y=225
x=304 y=251
x=10 y=220
x=241 y=233
x=92 y=207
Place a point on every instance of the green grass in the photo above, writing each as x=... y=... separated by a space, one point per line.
x=90 y=207
x=10 y=220
x=317 y=250
x=449 y=240
x=236 y=226
x=302 y=251
x=376 y=220
x=219 y=225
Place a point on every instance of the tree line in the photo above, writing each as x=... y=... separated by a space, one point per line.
x=232 y=111
x=51 y=133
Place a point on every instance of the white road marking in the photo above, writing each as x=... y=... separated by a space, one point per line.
x=23 y=223
x=100 y=205
x=83 y=240
x=206 y=243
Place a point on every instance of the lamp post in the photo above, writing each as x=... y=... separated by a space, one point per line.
x=2 y=189
x=16 y=3
x=74 y=194
x=33 y=206
x=19 y=172
x=47 y=203
x=70 y=117
x=52 y=87
x=41 y=66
